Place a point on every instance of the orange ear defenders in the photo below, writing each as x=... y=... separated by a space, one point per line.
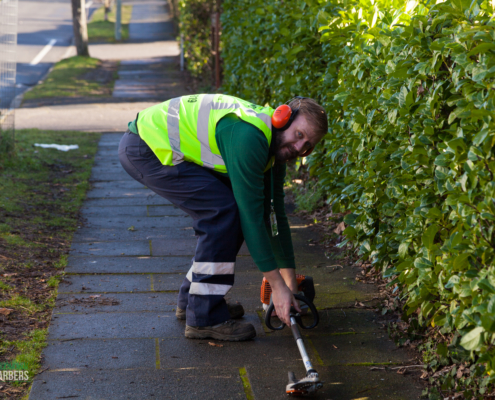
x=284 y=116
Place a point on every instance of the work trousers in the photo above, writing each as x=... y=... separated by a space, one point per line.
x=209 y=200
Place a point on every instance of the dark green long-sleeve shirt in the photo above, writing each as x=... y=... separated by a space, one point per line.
x=245 y=151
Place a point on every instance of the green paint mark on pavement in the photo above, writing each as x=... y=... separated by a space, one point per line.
x=248 y=390
x=262 y=320
x=157 y=353
x=315 y=352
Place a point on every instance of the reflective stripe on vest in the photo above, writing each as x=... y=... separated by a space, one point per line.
x=183 y=128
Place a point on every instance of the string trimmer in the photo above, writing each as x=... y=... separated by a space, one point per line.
x=311 y=383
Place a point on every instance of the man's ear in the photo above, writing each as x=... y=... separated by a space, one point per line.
x=307 y=152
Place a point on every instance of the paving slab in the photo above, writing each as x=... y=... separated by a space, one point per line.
x=136 y=51
x=116 y=302
x=85 y=234
x=120 y=283
x=108 y=175
x=104 y=353
x=183 y=353
x=135 y=384
x=127 y=184
x=129 y=248
x=127 y=201
x=135 y=211
x=111 y=222
x=99 y=265
x=115 y=325
x=358 y=349
x=119 y=192
x=110 y=141
x=105 y=283
x=91 y=264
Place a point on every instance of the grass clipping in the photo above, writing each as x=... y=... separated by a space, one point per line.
x=77 y=77
x=100 y=30
x=41 y=192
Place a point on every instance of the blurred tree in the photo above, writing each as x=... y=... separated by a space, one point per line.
x=80 y=27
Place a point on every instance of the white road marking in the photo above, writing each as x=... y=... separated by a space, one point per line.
x=43 y=52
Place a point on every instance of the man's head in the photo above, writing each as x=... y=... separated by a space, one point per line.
x=307 y=129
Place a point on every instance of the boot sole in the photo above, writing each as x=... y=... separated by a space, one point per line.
x=206 y=334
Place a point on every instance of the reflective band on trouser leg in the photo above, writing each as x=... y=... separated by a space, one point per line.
x=173 y=130
x=207 y=289
x=212 y=268
x=189 y=275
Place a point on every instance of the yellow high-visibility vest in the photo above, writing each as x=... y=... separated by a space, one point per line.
x=183 y=128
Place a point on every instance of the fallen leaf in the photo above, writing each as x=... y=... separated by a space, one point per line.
x=95 y=296
x=215 y=345
x=334 y=346
x=424 y=375
x=5 y=311
x=402 y=371
x=131 y=228
x=340 y=228
x=114 y=357
x=10 y=274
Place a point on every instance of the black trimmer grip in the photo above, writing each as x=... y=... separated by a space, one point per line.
x=268 y=316
x=316 y=317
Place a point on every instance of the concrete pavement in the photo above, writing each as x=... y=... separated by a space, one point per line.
x=114 y=334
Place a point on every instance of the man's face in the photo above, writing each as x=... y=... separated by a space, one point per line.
x=294 y=141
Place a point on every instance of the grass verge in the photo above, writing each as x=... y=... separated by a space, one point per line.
x=100 y=30
x=41 y=192
x=77 y=77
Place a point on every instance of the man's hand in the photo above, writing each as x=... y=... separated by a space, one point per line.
x=282 y=296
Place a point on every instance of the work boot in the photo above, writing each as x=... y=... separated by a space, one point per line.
x=236 y=311
x=231 y=330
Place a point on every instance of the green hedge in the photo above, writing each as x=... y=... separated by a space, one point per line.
x=408 y=89
x=409 y=93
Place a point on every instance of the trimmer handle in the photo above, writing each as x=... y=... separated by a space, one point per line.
x=295 y=314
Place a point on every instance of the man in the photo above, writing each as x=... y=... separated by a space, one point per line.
x=221 y=160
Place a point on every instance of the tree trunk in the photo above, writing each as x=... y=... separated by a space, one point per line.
x=80 y=27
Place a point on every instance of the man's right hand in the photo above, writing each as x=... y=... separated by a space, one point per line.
x=282 y=296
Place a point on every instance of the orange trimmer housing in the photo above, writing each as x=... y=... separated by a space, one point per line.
x=304 y=283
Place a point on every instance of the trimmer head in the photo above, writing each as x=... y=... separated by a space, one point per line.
x=306 y=386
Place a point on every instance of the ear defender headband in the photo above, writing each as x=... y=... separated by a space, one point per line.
x=284 y=116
